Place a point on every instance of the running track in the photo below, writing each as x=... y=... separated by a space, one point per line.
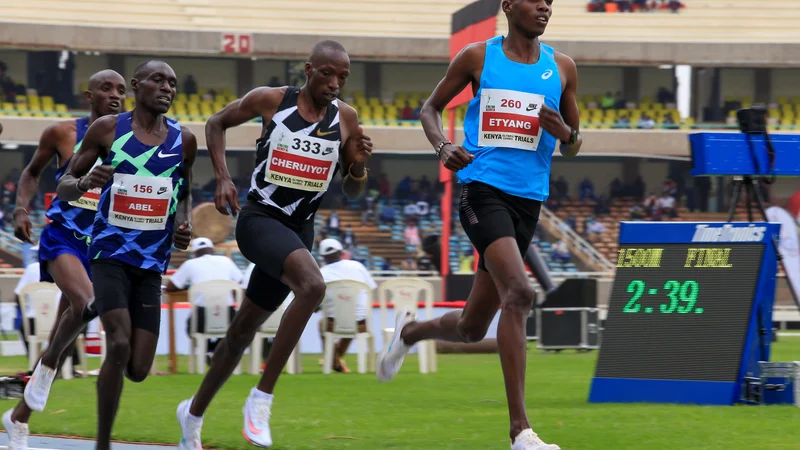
x=49 y=443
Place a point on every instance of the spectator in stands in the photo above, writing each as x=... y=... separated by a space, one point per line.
x=333 y=225
x=670 y=187
x=650 y=204
x=349 y=237
x=622 y=122
x=561 y=252
x=638 y=188
x=602 y=207
x=668 y=121
x=572 y=221
x=408 y=264
x=594 y=229
x=616 y=189
x=608 y=101
x=664 y=96
x=646 y=122
x=619 y=101
x=424 y=262
x=387 y=214
x=204 y=266
x=387 y=264
x=424 y=184
x=637 y=212
x=423 y=207
x=666 y=205
x=7 y=85
x=411 y=236
x=189 y=85
x=384 y=187
x=407 y=113
x=586 y=190
x=624 y=5
x=562 y=188
x=403 y=189
x=411 y=211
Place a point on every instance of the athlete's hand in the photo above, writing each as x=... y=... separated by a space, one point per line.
x=227 y=195
x=362 y=145
x=455 y=158
x=97 y=178
x=182 y=236
x=23 y=228
x=551 y=120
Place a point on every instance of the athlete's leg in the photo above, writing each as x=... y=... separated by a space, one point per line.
x=145 y=314
x=507 y=269
x=467 y=325
x=112 y=286
x=117 y=325
x=229 y=351
x=71 y=277
x=301 y=273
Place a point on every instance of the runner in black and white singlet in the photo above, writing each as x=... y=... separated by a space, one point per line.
x=308 y=135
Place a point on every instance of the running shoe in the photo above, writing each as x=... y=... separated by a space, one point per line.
x=17 y=432
x=391 y=359
x=38 y=388
x=190 y=427
x=528 y=440
x=257 y=410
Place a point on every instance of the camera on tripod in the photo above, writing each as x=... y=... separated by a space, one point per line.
x=752 y=120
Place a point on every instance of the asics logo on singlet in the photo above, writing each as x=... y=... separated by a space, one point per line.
x=161 y=154
x=547 y=74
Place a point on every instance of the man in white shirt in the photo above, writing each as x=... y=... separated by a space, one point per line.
x=204 y=266
x=335 y=269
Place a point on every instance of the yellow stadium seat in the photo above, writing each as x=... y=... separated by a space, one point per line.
x=61 y=108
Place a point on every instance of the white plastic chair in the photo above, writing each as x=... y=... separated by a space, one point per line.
x=45 y=297
x=404 y=293
x=268 y=330
x=344 y=294
x=217 y=318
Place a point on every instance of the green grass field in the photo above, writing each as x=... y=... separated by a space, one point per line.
x=462 y=406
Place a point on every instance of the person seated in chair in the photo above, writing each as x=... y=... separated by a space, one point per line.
x=204 y=266
x=337 y=268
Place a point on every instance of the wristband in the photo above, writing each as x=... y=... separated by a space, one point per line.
x=441 y=146
x=350 y=174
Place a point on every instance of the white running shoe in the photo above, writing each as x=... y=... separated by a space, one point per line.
x=17 y=432
x=38 y=388
x=528 y=440
x=257 y=411
x=391 y=359
x=190 y=427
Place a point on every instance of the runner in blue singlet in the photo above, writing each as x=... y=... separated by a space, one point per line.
x=524 y=106
x=144 y=208
x=64 y=241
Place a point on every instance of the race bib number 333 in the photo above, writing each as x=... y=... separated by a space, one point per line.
x=300 y=161
x=510 y=119
x=140 y=203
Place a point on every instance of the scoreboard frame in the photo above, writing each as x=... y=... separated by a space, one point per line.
x=622 y=387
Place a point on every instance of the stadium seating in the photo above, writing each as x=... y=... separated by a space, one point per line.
x=700 y=21
x=418 y=18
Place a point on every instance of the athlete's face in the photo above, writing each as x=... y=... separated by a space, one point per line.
x=106 y=93
x=327 y=75
x=528 y=16
x=157 y=88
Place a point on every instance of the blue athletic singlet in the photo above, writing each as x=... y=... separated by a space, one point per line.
x=501 y=127
x=135 y=218
x=76 y=216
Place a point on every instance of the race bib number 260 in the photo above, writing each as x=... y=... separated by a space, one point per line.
x=510 y=119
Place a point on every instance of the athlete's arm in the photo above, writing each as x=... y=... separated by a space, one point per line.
x=459 y=75
x=357 y=150
x=260 y=102
x=29 y=179
x=571 y=140
x=183 y=215
x=96 y=144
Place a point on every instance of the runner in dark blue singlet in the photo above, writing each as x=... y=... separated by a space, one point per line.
x=524 y=106
x=64 y=243
x=144 y=208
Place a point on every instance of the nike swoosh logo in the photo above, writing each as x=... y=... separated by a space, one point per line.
x=530 y=109
x=252 y=427
x=320 y=133
x=162 y=155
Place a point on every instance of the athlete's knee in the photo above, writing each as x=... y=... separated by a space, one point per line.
x=136 y=374
x=119 y=347
x=239 y=338
x=470 y=331
x=519 y=295
x=312 y=288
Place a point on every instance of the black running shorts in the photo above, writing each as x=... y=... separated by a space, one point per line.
x=119 y=285
x=488 y=214
x=267 y=242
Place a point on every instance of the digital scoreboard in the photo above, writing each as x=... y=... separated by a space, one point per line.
x=690 y=312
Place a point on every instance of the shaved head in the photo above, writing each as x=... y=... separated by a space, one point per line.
x=146 y=68
x=108 y=75
x=322 y=52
